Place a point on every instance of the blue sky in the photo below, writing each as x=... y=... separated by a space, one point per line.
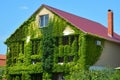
x=14 y=12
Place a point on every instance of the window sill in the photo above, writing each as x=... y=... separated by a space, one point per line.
x=60 y=63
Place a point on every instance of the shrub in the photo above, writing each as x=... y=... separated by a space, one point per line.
x=94 y=75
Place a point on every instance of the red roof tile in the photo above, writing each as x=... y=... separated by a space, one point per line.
x=85 y=25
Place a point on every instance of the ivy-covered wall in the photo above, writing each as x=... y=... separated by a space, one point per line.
x=20 y=51
x=94 y=49
x=34 y=51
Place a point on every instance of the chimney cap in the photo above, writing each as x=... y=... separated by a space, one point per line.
x=109 y=10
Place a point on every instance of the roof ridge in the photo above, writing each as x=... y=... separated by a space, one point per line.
x=71 y=14
x=75 y=15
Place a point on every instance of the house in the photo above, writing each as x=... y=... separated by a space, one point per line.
x=2 y=65
x=2 y=60
x=52 y=43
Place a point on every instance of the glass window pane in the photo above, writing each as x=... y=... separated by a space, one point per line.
x=46 y=19
x=41 y=21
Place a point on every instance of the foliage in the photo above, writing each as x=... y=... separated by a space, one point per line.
x=17 y=78
x=47 y=76
x=25 y=76
x=48 y=47
x=93 y=75
x=20 y=63
x=93 y=50
x=2 y=72
x=52 y=46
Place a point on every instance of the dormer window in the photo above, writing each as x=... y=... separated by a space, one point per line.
x=44 y=20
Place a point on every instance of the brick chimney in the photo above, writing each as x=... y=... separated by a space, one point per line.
x=110 y=23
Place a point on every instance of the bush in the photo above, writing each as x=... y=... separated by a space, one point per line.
x=94 y=75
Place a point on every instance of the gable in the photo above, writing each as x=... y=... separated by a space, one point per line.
x=31 y=27
x=44 y=11
x=68 y=31
x=60 y=27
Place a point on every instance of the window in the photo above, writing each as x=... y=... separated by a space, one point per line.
x=68 y=40
x=60 y=59
x=44 y=20
x=35 y=46
x=70 y=58
x=65 y=40
x=13 y=76
x=34 y=61
x=14 y=61
x=16 y=48
x=57 y=76
x=98 y=43
x=36 y=76
x=57 y=41
x=72 y=38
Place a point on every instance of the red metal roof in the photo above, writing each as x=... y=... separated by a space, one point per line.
x=2 y=60
x=85 y=25
x=2 y=56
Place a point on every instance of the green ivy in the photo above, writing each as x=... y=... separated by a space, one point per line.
x=48 y=47
x=25 y=76
x=93 y=75
x=82 y=48
x=93 y=51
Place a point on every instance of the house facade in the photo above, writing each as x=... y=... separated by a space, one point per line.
x=52 y=43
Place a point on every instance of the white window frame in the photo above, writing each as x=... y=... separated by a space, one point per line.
x=44 y=20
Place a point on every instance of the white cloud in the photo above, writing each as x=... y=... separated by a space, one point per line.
x=23 y=7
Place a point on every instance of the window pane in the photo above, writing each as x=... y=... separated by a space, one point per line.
x=46 y=20
x=70 y=58
x=41 y=21
x=35 y=46
x=60 y=59
x=65 y=40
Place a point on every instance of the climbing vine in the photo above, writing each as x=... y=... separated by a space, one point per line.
x=48 y=47
x=94 y=51
x=55 y=52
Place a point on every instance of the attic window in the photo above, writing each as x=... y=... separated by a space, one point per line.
x=43 y=20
